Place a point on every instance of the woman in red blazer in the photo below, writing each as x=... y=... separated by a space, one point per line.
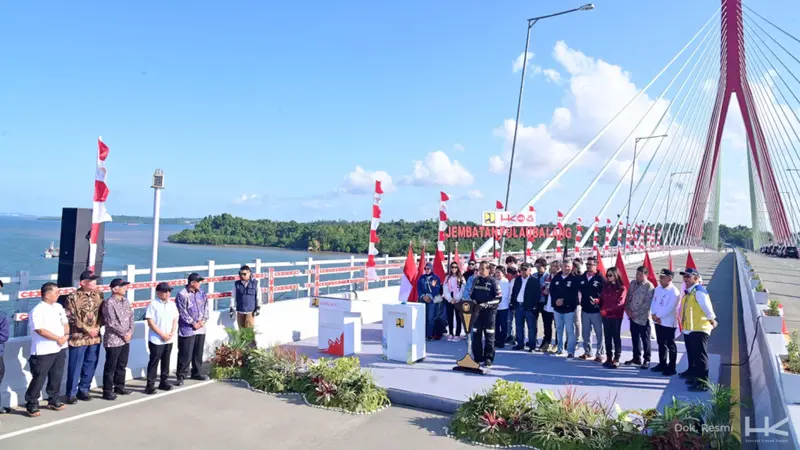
x=612 y=309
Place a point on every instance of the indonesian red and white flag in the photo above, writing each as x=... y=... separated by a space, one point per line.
x=498 y=204
x=408 y=277
x=373 y=232
x=99 y=212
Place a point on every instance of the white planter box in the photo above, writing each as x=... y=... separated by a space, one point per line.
x=762 y=298
x=771 y=324
x=790 y=383
x=754 y=283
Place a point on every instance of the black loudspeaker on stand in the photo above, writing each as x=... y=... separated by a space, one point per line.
x=73 y=258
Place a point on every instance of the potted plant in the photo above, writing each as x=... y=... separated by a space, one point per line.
x=772 y=318
x=761 y=294
x=789 y=366
x=755 y=281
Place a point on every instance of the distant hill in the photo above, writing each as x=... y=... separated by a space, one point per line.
x=141 y=220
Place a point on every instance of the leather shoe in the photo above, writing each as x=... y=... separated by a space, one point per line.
x=200 y=377
x=179 y=382
x=122 y=391
x=518 y=347
x=109 y=396
x=72 y=400
x=658 y=368
x=165 y=386
x=633 y=362
x=150 y=389
x=84 y=397
x=668 y=372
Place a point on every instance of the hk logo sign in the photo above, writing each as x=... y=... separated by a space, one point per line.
x=766 y=430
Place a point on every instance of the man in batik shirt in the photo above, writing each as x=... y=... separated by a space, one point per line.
x=192 y=306
x=83 y=312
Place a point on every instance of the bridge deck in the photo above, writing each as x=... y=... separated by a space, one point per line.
x=218 y=407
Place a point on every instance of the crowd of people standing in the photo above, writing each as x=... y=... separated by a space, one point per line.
x=572 y=300
x=66 y=335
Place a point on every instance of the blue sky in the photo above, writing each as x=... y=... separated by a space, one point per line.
x=266 y=110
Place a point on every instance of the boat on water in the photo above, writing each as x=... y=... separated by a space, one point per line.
x=51 y=252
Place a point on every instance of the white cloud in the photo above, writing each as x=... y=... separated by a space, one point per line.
x=594 y=92
x=249 y=199
x=552 y=75
x=315 y=204
x=458 y=147
x=516 y=65
x=437 y=169
x=474 y=194
x=361 y=181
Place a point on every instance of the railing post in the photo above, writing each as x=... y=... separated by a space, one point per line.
x=386 y=271
x=352 y=264
x=308 y=276
x=23 y=277
x=366 y=278
x=257 y=269
x=211 y=270
x=130 y=275
x=271 y=292
x=317 y=276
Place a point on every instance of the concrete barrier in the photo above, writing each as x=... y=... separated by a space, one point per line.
x=279 y=323
x=769 y=406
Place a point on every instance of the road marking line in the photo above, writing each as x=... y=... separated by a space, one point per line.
x=736 y=358
x=103 y=410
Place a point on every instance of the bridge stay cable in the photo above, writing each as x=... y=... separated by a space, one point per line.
x=552 y=181
x=691 y=162
x=619 y=149
x=768 y=102
x=700 y=75
x=649 y=190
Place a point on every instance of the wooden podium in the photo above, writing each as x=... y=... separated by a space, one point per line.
x=469 y=310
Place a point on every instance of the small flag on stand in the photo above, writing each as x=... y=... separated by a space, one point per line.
x=578 y=237
x=559 y=231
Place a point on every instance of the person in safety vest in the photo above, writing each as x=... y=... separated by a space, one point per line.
x=697 y=320
x=246 y=302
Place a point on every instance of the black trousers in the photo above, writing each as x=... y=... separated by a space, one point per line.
x=454 y=319
x=190 y=349
x=640 y=335
x=159 y=355
x=697 y=354
x=45 y=367
x=547 y=322
x=612 y=330
x=2 y=369
x=484 y=328
x=665 y=337
x=114 y=368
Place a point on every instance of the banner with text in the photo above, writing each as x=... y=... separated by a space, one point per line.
x=507 y=219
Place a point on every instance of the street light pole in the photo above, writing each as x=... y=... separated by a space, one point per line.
x=158 y=186
x=531 y=23
x=630 y=190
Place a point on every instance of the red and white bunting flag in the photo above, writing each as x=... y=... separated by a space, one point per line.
x=578 y=237
x=443 y=198
x=596 y=231
x=607 y=242
x=559 y=230
x=619 y=236
x=529 y=246
x=99 y=213
x=373 y=232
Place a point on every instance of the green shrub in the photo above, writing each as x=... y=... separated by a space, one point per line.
x=506 y=415
x=243 y=338
x=773 y=308
x=760 y=287
x=792 y=361
x=226 y=373
x=277 y=369
x=342 y=383
x=756 y=277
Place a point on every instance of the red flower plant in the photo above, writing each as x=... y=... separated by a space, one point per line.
x=492 y=422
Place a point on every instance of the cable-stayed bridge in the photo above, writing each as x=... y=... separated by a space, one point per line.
x=669 y=193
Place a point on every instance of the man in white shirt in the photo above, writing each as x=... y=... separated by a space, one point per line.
x=162 y=318
x=48 y=328
x=664 y=312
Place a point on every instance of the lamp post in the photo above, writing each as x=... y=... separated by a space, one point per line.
x=158 y=186
x=531 y=22
x=630 y=191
